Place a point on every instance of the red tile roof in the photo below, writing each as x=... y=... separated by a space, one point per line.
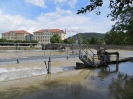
x=55 y=30
x=39 y=31
x=51 y=30
x=17 y=32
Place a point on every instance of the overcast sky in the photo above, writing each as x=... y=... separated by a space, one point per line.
x=33 y=15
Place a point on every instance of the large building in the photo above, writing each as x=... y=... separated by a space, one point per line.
x=44 y=35
x=17 y=35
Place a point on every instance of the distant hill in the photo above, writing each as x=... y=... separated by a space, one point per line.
x=91 y=35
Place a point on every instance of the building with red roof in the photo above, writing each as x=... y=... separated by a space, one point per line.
x=16 y=35
x=44 y=35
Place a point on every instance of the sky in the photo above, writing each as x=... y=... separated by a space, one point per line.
x=33 y=15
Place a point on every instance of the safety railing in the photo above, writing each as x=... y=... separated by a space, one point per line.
x=91 y=55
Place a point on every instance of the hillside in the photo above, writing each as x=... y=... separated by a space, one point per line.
x=90 y=35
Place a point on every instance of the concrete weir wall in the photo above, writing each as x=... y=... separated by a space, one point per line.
x=14 y=47
x=96 y=46
x=123 y=47
x=19 y=47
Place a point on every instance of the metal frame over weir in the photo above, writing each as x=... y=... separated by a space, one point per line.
x=102 y=55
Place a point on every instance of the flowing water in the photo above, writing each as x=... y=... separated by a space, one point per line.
x=31 y=81
x=68 y=83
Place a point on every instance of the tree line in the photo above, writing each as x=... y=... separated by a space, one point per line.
x=122 y=13
x=11 y=42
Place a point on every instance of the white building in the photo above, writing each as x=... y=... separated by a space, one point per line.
x=44 y=35
x=15 y=35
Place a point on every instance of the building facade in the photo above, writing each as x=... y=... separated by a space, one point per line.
x=29 y=37
x=16 y=35
x=44 y=35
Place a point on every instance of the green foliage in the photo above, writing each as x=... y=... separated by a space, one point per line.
x=86 y=38
x=68 y=41
x=116 y=6
x=33 y=41
x=3 y=40
x=124 y=21
x=86 y=35
x=118 y=38
x=80 y=38
x=55 y=39
x=31 y=46
x=18 y=41
x=96 y=41
x=6 y=42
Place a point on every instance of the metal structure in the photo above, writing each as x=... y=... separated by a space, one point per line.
x=103 y=58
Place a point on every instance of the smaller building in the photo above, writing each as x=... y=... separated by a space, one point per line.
x=17 y=35
x=29 y=37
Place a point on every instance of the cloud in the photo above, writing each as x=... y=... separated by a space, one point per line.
x=0 y=12
x=59 y=19
x=40 y=3
x=59 y=1
x=72 y=3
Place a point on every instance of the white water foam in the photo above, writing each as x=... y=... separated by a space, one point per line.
x=11 y=74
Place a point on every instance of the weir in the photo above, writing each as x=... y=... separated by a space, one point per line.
x=64 y=55
x=100 y=59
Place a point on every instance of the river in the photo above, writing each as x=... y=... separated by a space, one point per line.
x=97 y=83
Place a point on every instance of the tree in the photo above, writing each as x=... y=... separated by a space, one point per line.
x=68 y=41
x=116 y=6
x=80 y=38
x=121 y=10
x=93 y=41
x=3 y=40
x=55 y=39
x=118 y=37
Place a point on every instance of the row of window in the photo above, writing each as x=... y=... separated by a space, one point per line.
x=46 y=33
x=12 y=34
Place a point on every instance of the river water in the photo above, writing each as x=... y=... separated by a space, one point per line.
x=68 y=83
x=31 y=81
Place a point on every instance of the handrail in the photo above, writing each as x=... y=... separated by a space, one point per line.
x=92 y=54
x=85 y=52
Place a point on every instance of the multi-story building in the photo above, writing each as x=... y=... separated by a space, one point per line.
x=44 y=35
x=16 y=35
x=29 y=37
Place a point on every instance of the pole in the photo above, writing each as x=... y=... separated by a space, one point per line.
x=50 y=49
x=117 y=61
x=44 y=49
x=49 y=66
x=17 y=54
x=67 y=52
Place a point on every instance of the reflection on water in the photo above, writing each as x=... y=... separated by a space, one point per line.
x=121 y=87
x=113 y=82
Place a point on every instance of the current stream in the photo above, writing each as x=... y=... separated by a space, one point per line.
x=65 y=82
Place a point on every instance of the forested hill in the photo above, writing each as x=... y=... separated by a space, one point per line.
x=91 y=35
